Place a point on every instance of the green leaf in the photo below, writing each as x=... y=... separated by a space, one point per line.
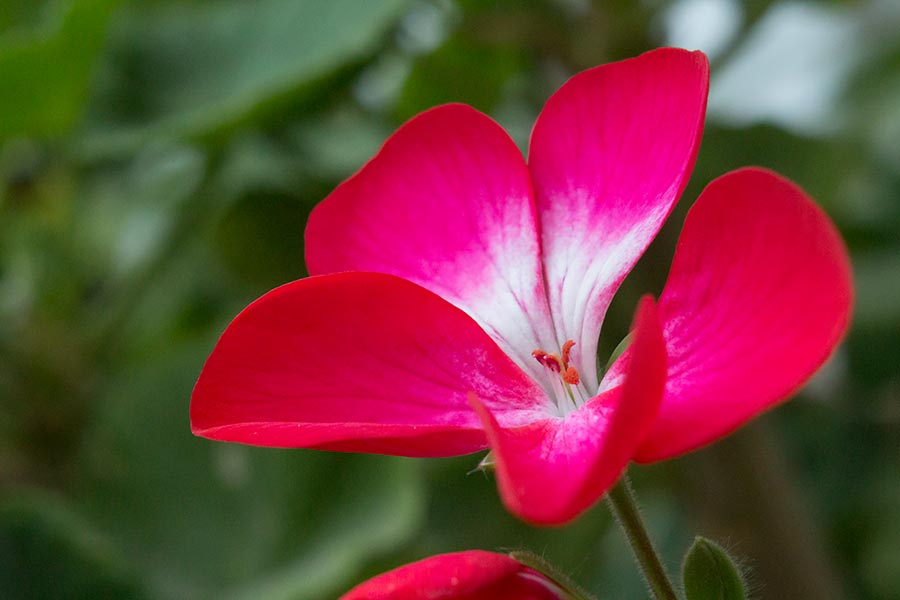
x=619 y=350
x=45 y=70
x=121 y=237
x=19 y=14
x=709 y=573
x=193 y=70
x=46 y=551
x=462 y=70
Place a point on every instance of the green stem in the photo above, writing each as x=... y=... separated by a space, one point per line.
x=622 y=504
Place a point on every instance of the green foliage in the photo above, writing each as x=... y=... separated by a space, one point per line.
x=46 y=551
x=192 y=70
x=45 y=69
x=447 y=75
x=708 y=573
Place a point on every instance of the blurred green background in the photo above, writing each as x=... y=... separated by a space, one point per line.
x=158 y=160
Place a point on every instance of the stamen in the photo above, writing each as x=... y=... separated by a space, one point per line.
x=551 y=361
x=566 y=350
x=565 y=385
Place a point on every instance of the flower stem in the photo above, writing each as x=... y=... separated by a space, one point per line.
x=622 y=504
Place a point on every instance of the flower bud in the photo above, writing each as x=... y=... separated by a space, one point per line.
x=470 y=575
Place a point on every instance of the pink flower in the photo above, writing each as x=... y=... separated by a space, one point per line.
x=449 y=274
x=472 y=575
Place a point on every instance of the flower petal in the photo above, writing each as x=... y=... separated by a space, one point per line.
x=758 y=297
x=470 y=575
x=610 y=154
x=550 y=471
x=357 y=362
x=446 y=203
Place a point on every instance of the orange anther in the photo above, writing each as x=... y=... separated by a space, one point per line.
x=551 y=361
x=566 y=349
x=570 y=376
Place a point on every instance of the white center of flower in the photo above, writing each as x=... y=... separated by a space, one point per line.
x=568 y=393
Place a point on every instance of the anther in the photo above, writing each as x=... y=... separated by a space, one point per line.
x=570 y=376
x=565 y=388
x=566 y=349
x=551 y=361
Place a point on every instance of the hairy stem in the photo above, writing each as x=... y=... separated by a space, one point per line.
x=622 y=504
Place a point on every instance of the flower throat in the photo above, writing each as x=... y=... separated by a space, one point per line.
x=564 y=378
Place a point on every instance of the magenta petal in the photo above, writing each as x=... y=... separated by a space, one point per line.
x=357 y=362
x=610 y=154
x=470 y=575
x=550 y=471
x=758 y=297
x=446 y=203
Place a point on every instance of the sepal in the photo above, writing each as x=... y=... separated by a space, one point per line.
x=709 y=573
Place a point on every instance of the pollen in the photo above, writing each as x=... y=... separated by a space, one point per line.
x=570 y=376
x=551 y=361
x=566 y=350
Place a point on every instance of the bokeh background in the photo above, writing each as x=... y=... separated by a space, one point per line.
x=158 y=160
